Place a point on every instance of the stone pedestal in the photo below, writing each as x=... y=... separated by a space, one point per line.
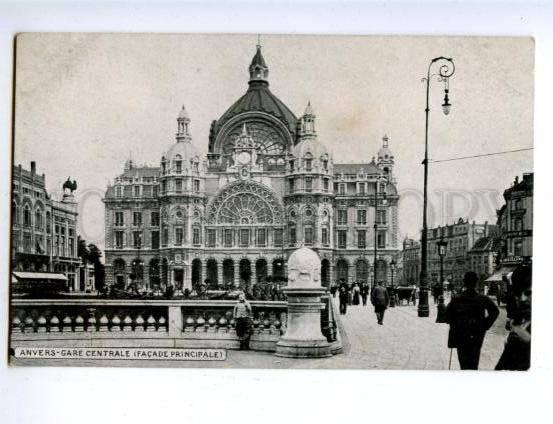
x=303 y=337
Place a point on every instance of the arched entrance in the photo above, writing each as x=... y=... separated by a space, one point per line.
x=137 y=272
x=211 y=277
x=342 y=268
x=362 y=271
x=119 y=273
x=278 y=270
x=164 y=272
x=196 y=272
x=154 y=271
x=381 y=271
x=245 y=271
x=325 y=273
x=261 y=270
x=228 y=272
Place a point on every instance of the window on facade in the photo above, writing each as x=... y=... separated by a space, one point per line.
x=118 y=240
x=155 y=239
x=381 y=217
x=136 y=191
x=308 y=165
x=362 y=188
x=308 y=184
x=196 y=239
x=154 y=218
x=38 y=219
x=178 y=186
x=147 y=191
x=179 y=236
x=196 y=167
x=137 y=239
x=127 y=191
x=381 y=240
x=178 y=166
x=308 y=235
x=324 y=236
x=518 y=224
x=137 y=219
x=164 y=186
x=71 y=246
x=27 y=242
x=361 y=239
x=292 y=236
x=119 y=220
x=15 y=213
x=228 y=237
x=211 y=236
x=26 y=216
x=165 y=236
x=291 y=185
x=342 y=239
x=291 y=166
x=155 y=191
x=342 y=216
x=261 y=237
x=341 y=189
x=325 y=184
x=277 y=237
x=362 y=216
x=197 y=186
x=517 y=248
x=325 y=165
x=118 y=191
x=244 y=237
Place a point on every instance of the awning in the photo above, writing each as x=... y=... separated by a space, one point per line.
x=506 y=271
x=39 y=276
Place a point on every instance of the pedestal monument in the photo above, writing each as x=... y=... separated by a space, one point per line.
x=303 y=337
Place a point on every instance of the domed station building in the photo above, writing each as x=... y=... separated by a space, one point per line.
x=267 y=187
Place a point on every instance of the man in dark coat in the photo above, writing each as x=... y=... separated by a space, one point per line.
x=380 y=299
x=469 y=316
x=343 y=296
x=364 y=292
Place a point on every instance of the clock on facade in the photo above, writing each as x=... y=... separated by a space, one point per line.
x=244 y=158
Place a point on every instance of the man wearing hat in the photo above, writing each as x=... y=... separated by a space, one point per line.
x=469 y=316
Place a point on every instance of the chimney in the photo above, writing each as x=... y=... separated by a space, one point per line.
x=33 y=167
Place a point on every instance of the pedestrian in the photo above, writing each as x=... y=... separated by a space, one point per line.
x=469 y=315
x=364 y=292
x=516 y=354
x=350 y=293
x=356 y=293
x=343 y=298
x=333 y=288
x=242 y=314
x=380 y=299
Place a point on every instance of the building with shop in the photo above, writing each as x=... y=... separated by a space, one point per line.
x=267 y=186
x=411 y=261
x=515 y=223
x=44 y=230
x=461 y=237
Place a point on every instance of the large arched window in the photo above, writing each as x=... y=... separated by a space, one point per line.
x=15 y=212
x=27 y=216
x=267 y=139
x=38 y=219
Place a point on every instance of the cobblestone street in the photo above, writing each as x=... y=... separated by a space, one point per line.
x=403 y=342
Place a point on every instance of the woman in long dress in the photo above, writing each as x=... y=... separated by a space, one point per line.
x=356 y=294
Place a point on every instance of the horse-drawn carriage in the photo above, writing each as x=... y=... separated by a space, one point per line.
x=406 y=293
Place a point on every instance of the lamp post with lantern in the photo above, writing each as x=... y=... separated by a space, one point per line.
x=445 y=71
x=442 y=250
x=379 y=181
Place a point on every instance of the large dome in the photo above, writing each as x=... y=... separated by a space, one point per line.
x=258 y=98
x=184 y=149
x=311 y=146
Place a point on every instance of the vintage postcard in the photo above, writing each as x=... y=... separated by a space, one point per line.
x=273 y=201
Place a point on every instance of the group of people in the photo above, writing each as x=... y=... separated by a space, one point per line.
x=470 y=315
x=359 y=293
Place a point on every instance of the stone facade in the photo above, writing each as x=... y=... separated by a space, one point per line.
x=44 y=231
x=266 y=187
x=461 y=237
x=411 y=261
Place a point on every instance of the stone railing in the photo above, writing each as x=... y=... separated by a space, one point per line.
x=148 y=323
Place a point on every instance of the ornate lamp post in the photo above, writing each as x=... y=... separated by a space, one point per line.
x=442 y=250
x=445 y=71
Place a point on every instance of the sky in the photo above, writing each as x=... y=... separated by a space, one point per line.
x=85 y=103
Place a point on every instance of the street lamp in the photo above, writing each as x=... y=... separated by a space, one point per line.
x=442 y=250
x=445 y=71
